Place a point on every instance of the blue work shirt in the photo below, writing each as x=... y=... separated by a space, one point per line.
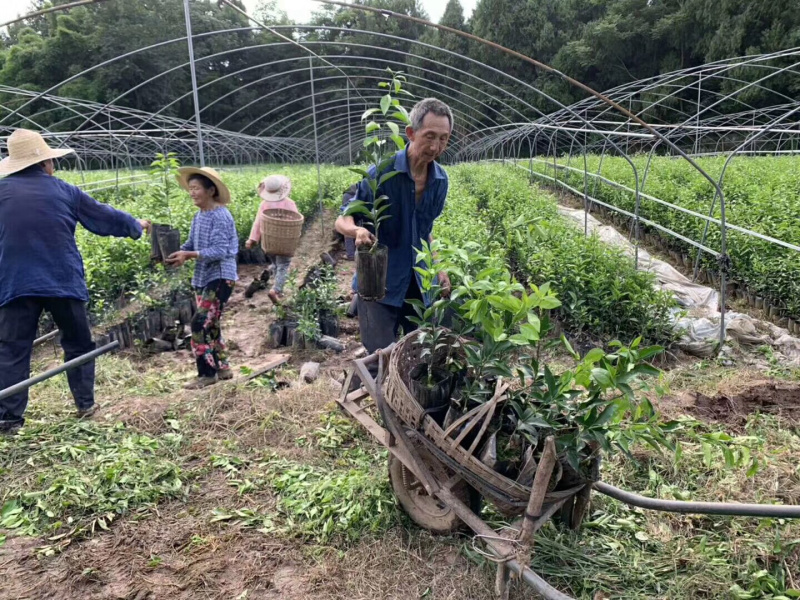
x=38 y=253
x=409 y=223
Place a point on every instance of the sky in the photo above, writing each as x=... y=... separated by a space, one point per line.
x=298 y=10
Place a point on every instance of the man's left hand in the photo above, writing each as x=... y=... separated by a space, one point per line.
x=444 y=284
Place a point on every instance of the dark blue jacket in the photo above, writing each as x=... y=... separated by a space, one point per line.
x=409 y=223
x=38 y=253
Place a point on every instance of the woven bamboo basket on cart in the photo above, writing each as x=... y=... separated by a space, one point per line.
x=280 y=231
x=508 y=496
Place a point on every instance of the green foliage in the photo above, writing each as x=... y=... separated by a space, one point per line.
x=316 y=299
x=377 y=152
x=502 y=327
x=322 y=503
x=761 y=195
x=429 y=317
x=67 y=479
x=601 y=291
x=342 y=500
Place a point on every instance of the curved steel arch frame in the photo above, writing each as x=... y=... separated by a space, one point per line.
x=687 y=112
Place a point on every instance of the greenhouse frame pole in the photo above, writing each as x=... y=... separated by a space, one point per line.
x=349 y=126
x=316 y=145
x=189 y=41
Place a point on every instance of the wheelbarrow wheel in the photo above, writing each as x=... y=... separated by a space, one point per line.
x=428 y=511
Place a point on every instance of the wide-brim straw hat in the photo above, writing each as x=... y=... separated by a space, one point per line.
x=25 y=149
x=275 y=188
x=223 y=193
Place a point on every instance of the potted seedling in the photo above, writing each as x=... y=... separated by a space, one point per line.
x=164 y=239
x=372 y=261
x=432 y=378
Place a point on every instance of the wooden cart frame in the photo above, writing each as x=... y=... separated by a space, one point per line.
x=511 y=554
x=508 y=552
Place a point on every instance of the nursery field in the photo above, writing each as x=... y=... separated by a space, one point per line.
x=117 y=267
x=263 y=489
x=762 y=194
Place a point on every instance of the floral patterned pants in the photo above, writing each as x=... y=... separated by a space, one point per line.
x=208 y=345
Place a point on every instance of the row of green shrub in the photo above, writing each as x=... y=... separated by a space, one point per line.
x=762 y=194
x=602 y=292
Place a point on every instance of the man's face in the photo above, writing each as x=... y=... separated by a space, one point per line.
x=430 y=140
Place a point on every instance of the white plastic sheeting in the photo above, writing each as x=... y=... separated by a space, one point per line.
x=699 y=317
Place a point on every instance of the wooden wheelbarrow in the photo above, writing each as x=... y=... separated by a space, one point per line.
x=439 y=499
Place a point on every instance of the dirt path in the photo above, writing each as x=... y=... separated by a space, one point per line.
x=247 y=320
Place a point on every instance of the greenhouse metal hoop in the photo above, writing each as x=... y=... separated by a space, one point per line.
x=549 y=128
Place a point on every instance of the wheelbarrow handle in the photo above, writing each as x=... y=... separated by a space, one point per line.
x=372 y=358
x=362 y=370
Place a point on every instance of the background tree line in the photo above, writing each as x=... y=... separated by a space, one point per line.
x=251 y=79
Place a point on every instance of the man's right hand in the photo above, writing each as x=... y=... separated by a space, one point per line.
x=364 y=237
x=145 y=225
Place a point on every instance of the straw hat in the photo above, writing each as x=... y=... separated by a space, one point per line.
x=275 y=188
x=223 y=193
x=27 y=148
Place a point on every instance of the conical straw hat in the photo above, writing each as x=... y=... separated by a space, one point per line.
x=275 y=188
x=26 y=148
x=222 y=190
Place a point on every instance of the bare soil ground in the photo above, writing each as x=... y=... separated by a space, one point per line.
x=734 y=406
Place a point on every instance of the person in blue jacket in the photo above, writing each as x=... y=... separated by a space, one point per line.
x=416 y=199
x=41 y=268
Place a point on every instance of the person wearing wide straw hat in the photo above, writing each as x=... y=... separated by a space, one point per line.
x=213 y=244
x=274 y=192
x=41 y=268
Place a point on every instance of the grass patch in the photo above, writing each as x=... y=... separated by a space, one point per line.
x=67 y=479
x=630 y=553
x=340 y=500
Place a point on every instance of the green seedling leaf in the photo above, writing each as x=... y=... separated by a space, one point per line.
x=386 y=103
x=387 y=176
x=368 y=113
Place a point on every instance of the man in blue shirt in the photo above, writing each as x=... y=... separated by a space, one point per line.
x=42 y=270
x=416 y=198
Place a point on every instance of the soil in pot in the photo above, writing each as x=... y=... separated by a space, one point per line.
x=277 y=335
x=329 y=324
x=432 y=393
x=169 y=241
x=155 y=249
x=371 y=267
x=569 y=476
x=290 y=331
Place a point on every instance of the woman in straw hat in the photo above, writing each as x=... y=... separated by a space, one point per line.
x=214 y=244
x=41 y=268
x=274 y=192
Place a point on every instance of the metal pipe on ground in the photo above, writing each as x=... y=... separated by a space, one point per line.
x=75 y=362
x=46 y=337
x=700 y=508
